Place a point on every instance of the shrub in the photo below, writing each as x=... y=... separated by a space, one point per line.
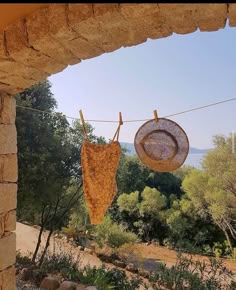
x=191 y=275
x=222 y=249
x=129 y=253
x=64 y=263
x=97 y=277
x=113 y=234
x=106 y=279
x=22 y=261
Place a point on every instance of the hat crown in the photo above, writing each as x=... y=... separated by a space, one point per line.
x=160 y=145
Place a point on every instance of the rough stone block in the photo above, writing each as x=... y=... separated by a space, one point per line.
x=178 y=17
x=16 y=80
x=8 y=279
x=101 y=26
x=8 y=196
x=7 y=222
x=9 y=89
x=7 y=109
x=8 y=139
x=41 y=39
x=144 y=21
x=59 y=28
x=138 y=10
x=21 y=51
x=115 y=28
x=232 y=14
x=10 y=221
x=10 y=66
x=8 y=168
x=210 y=17
x=7 y=251
x=81 y=20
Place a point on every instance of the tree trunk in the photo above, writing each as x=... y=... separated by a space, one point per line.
x=45 y=249
x=228 y=239
x=43 y=222
x=38 y=243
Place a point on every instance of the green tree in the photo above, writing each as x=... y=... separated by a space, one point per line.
x=133 y=176
x=142 y=212
x=187 y=230
x=213 y=190
x=47 y=161
x=50 y=174
x=167 y=183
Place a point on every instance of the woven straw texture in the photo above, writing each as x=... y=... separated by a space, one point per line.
x=162 y=146
x=99 y=165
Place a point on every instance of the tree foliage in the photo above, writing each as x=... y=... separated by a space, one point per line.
x=213 y=190
x=188 y=208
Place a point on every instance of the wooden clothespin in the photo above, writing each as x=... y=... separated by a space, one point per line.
x=81 y=117
x=155 y=115
x=120 y=119
x=83 y=124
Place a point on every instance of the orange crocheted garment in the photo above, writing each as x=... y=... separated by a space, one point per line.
x=99 y=166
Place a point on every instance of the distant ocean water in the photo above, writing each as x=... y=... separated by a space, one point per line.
x=194 y=160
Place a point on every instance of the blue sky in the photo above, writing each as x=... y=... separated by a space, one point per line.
x=170 y=74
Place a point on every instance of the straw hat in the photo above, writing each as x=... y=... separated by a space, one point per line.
x=161 y=145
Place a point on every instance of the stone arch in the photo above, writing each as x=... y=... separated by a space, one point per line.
x=53 y=37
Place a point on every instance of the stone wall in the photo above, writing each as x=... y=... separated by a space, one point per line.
x=8 y=191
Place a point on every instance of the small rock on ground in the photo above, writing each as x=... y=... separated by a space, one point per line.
x=68 y=285
x=50 y=283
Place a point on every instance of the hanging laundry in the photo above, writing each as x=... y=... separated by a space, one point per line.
x=99 y=166
x=161 y=144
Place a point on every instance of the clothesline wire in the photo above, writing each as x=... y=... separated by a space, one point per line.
x=128 y=121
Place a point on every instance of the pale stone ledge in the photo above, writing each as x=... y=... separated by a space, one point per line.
x=7 y=109
x=7 y=251
x=8 y=139
x=7 y=222
x=8 y=195
x=8 y=168
x=8 y=279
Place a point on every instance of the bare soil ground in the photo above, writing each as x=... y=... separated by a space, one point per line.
x=147 y=256
x=26 y=239
x=155 y=254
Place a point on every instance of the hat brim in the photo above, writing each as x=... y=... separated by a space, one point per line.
x=175 y=132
